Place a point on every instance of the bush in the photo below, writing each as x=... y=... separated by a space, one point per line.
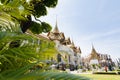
x=110 y=73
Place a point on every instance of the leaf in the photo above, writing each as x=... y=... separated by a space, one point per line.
x=25 y=74
x=50 y=3
x=35 y=27
x=39 y=10
x=46 y=27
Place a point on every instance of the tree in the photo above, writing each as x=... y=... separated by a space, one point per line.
x=17 y=49
x=16 y=14
x=23 y=10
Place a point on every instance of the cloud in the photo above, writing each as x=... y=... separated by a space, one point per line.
x=76 y=18
x=104 y=46
x=100 y=35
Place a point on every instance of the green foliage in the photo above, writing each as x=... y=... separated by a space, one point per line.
x=47 y=50
x=7 y=23
x=25 y=10
x=94 y=66
x=102 y=72
x=50 y=3
x=16 y=49
x=12 y=7
x=46 y=27
x=14 y=62
x=19 y=51
x=25 y=74
x=101 y=76
x=14 y=57
x=118 y=69
x=80 y=67
x=36 y=28
x=40 y=6
x=40 y=10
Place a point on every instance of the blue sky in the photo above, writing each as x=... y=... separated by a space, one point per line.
x=89 y=22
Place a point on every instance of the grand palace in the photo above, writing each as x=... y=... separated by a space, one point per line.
x=70 y=56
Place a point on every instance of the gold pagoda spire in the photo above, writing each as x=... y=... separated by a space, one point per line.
x=94 y=54
x=72 y=44
x=79 y=50
x=56 y=30
x=93 y=50
x=69 y=40
x=56 y=35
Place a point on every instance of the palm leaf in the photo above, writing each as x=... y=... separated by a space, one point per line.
x=7 y=24
x=25 y=74
x=19 y=7
x=15 y=56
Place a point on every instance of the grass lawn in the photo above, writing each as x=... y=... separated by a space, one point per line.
x=101 y=76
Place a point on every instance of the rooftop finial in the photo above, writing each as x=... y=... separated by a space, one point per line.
x=72 y=44
x=93 y=50
x=92 y=46
x=56 y=30
x=56 y=21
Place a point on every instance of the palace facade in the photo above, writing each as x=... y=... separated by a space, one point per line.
x=68 y=53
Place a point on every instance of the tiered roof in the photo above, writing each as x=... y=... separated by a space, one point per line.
x=57 y=35
x=67 y=41
x=94 y=54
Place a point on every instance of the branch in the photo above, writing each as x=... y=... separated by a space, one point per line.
x=37 y=19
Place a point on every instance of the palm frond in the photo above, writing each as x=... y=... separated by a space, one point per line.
x=7 y=24
x=19 y=7
x=25 y=74
x=18 y=56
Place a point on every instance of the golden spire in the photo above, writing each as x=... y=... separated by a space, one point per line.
x=94 y=54
x=79 y=50
x=69 y=40
x=72 y=45
x=56 y=30
x=56 y=35
x=93 y=50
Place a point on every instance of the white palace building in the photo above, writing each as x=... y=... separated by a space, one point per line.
x=68 y=53
x=69 y=56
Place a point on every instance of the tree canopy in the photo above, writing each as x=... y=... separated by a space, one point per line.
x=20 y=54
x=23 y=10
x=15 y=19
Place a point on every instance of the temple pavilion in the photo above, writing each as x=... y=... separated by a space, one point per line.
x=68 y=53
x=98 y=59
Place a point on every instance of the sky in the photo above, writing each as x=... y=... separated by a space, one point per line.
x=89 y=22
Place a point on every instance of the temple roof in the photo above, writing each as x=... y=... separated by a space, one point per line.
x=67 y=41
x=94 y=54
x=79 y=50
x=74 y=47
x=93 y=50
x=72 y=44
x=56 y=35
